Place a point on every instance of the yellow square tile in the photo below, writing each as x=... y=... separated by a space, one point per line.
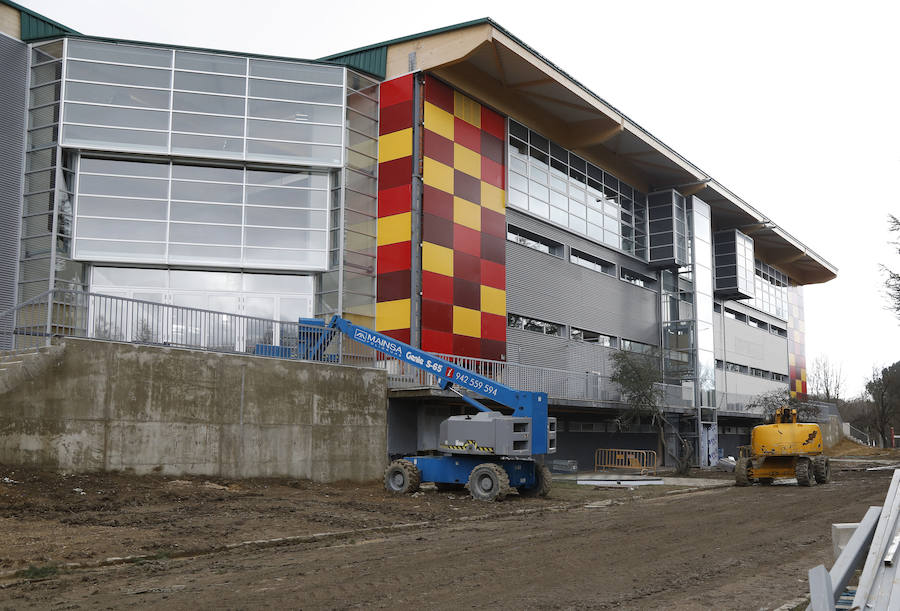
x=436 y=174
x=395 y=146
x=493 y=301
x=437 y=259
x=792 y=360
x=395 y=228
x=391 y=315
x=466 y=213
x=466 y=322
x=467 y=109
x=466 y=160
x=438 y=120
x=493 y=198
x=803 y=375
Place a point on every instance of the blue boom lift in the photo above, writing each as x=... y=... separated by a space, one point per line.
x=489 y=451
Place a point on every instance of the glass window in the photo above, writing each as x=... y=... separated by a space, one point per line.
x=207 y=192
x=207 y=62
x=119 y=53
x=111 y=138
x=122 y=208
x=117 y=94
x=116 y=117
x=123 y=186
x=132 y=168
x=294 y=111
x=212 y=104
x=218 y=146
x=294 y=152
x=207 y=124
x=210 y=83
x=206 y=213
x=279 y=130
x=122 y=75
x=291 y=71
x=295 y=91
x=285 y=217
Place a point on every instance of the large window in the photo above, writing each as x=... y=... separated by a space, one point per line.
x=771 y=291
x=552 y=183
x=138 y=211
x=136 y=98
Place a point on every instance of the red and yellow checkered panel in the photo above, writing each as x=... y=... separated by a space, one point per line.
x=463 y=226
x=796 y=328
x=395 y=160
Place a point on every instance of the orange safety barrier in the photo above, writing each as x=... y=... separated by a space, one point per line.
x=643 y=461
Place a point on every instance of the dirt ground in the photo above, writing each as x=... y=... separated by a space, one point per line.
x=113 y=541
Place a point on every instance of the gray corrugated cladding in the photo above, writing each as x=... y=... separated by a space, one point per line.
x=13 y=69
x=549 y=288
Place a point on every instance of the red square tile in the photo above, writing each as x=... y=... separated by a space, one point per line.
x=493 y=173
x=466 y=134
x=396 y=90
x=437 y=341
x=493 y=223
x=466 y=267
x=437 y=287
x=438 y=148
x=493 y=248
x=393 y=286
x=438 y=230
x=466 y=294
x=493 y=350
x=492 y=122
x=466 y=187
x=437 y=316
x=492 y=148
x=394 y=200
x=398 y=334
x=493 y=327
x=396 y=117
x=466 y=240
x=493 y=274
x=394 y=258
x=437 y=202
x=439 y=94
x=467 y=346
x=395 y=173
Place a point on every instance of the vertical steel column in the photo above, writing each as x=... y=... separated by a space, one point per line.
x=415 y=301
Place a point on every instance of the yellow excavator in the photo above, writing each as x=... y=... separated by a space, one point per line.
x=783 y=449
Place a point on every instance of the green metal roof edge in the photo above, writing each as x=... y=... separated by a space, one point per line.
x=166 y=45
x=53 y=27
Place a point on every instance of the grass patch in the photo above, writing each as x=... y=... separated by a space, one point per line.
x=38 y=572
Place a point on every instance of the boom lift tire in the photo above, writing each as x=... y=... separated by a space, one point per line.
x=542 y=485
x=822 y=469
x=741 y=472
x=402 y=477
x=802 y=469
x=488 y=482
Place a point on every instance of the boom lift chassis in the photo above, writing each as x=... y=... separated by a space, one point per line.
x=490 y=452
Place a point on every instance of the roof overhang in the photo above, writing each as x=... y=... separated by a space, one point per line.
x=487 y=62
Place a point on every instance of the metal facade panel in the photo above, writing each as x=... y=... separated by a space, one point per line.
x=13 y=71
x=553 y=289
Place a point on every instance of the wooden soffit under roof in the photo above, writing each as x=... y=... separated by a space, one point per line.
x=488 y=63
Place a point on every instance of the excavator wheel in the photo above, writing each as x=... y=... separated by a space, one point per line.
x=488 y=482
x=822 y=469
x=767 y=481
x=542 y=484
x=402 y=477
x=802 y=470
x=742 y=472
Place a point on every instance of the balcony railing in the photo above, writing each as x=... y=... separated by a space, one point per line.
x=65 y=313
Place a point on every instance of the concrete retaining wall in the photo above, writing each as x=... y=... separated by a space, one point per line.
x=109 y=406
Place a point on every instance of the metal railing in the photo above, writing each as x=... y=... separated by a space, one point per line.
x=643 y=461
x=64 y=313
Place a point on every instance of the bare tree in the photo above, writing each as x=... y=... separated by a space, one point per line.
x=892 y=280
x=639 y=378
x=768 y=402
x=884 y=388
x=826 y=379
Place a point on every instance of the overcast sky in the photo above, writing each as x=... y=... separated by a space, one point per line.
x=794 y=106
